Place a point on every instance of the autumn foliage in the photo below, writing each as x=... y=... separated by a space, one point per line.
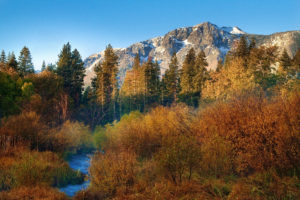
x=223 y=150
x=263 y=133
x=232 y=133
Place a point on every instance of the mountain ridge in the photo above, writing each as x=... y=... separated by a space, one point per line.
x=215 y=41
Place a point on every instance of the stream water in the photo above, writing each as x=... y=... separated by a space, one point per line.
x=79 y=162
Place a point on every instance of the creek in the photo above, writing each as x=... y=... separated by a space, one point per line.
x=79 y=162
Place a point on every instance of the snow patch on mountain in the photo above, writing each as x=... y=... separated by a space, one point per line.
x=186 y=42
x=233 y=30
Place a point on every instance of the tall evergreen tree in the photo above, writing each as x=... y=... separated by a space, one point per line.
x=201 y=73
x=171 y=80
x=242 y=47
x=136 y=62
x=43 y=66
x=70 y=67
x=3 y=57
x=252 y=44
x=78 y=73
x=106 y=84
x=260 y=64
x=51 y=67
x=152 y=82
x=25 y=62
x=64 y=67
x=187 y=76
x=12 y=61
x=285 y=62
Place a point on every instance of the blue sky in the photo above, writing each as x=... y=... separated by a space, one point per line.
x=89 y=25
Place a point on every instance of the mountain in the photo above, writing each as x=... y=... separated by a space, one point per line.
x=215 y=41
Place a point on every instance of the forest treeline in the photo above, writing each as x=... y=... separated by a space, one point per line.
x=190 y=133
x=58 y=94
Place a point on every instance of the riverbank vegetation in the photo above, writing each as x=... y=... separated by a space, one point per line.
x=232 y=133
x=244 y=148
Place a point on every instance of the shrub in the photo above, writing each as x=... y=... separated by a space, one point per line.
x=143 y=134
x=36 y=168
x=33 y=193
x=73 y=137
x=25 y=128
x=262 y=133
x=216 y=157
x=179 y=155
x=266 y=185
x=112 y=172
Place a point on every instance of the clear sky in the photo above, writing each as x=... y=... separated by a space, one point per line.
x=89 y=25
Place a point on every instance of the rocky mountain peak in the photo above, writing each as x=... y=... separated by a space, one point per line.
x=215 y=41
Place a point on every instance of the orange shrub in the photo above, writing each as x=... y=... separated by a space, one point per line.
x=178 y=157
x=33 y=193
x=25 y=128
x=113 y=172
x=266 y=185
x=263 y=133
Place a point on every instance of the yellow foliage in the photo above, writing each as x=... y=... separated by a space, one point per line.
x=134 y=83
x=231 y=80
x=73 y=136
x=143 y=134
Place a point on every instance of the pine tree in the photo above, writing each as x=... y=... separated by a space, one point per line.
x=3 y=57
x=12 y=61
x=171 y=79
x=152 y=82
x=252 y=44
x=70 y=67
x=78 y=73
x=64 y=66
x=25 y=62
x=43 y=66
x=242 y=48
x=201 y=72
x=136 y=62
x=200 y=77
x=285 y=62
x=106 y=84
x=51 y=67
x=187 y=76
x=260 y=64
